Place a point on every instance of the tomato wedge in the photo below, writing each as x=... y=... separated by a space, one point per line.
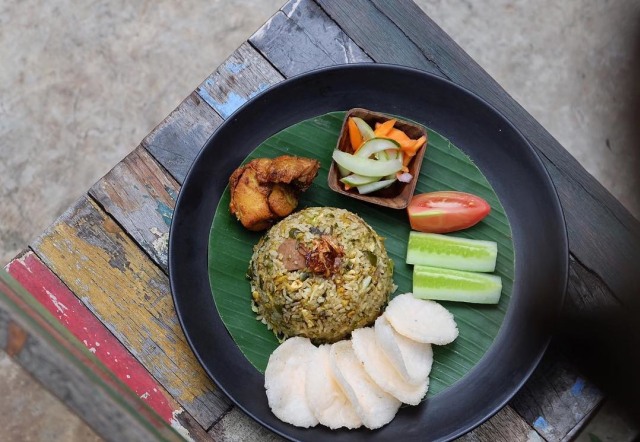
x=446 y=211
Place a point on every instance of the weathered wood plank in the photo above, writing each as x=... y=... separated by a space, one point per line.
x=586 y=293
x=140 y=196
x=376 y=34
x=301 y=37
x=51 y=293
x=561 y=378
x=556 y=398
x=96 y=259
x=241 y=77
x=47 y=351
x=599 y=335
x=506 y=425
x=176 y=141
x=603 y=235
x=236 y=426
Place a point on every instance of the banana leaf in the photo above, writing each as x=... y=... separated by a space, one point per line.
x=445 y=167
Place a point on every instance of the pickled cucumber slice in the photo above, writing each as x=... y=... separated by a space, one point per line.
x=365 y=166
x=375 y=145
x=358 y=180
x=372 y=187
x=450 y=252
x=455 y=285
x=342 y=171
x=365 y=130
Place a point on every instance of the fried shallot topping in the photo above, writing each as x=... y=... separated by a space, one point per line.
x=325 y=255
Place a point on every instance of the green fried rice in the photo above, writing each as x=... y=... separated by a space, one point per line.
x=324 y=306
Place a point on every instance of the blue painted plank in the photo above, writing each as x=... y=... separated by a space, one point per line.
x=241 y=77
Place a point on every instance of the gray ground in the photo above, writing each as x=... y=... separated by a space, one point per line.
x=81 y=84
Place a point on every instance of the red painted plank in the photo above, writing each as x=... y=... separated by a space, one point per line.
x=45 y=286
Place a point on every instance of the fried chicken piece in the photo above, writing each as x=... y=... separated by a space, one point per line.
x=298 y=171
x=265 y=190
x=282 y=200
x=249 y=199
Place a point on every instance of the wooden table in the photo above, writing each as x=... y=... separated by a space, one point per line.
x=101 y=268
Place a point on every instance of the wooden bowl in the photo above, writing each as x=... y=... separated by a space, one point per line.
x=399 y=194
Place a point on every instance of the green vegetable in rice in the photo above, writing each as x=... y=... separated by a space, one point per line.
x=320 y=273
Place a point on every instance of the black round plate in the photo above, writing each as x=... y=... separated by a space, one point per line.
x=504 y=156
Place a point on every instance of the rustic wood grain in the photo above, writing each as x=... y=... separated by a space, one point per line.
x=141 y=196
x=176 y=141
x=506 y=425
x=603 y=235
x=96 y=259
x=301 y=37
x=586 y=293
x=599 y=335
x=377 y=35
x=560 y=397
x=557 y=397
x=241 y=77
x=53 y=357
x=51 y=293
x=235 y=426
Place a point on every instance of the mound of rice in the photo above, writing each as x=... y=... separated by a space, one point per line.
x=324 y=307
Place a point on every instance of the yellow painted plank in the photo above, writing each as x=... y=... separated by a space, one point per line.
x=116 y=280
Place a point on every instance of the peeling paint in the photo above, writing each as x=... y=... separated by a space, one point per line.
x=232 y=101
x=165 y=212
x=86 y=326
x=235 y=68
x=292 y=8
x=578 y=387
x=60 y=307
x=541 y=424
x=225 y=108
x=23 y=261
x=118 y=262
x=172 y=193
x=175 y=424
x=107 y=293
x=161 y=243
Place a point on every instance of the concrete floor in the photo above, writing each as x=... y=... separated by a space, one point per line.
x=82 y=83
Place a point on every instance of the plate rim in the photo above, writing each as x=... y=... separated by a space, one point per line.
x=561 y=227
